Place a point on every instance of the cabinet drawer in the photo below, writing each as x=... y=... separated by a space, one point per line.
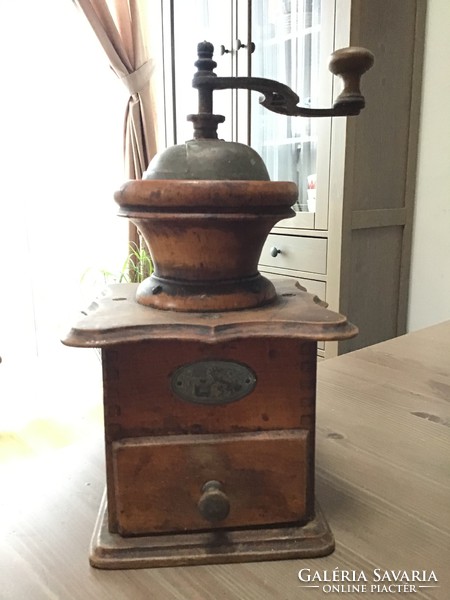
x=159 y=481
x=296 y=253
x=312 y=286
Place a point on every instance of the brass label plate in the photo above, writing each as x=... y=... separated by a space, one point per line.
x=213 y=382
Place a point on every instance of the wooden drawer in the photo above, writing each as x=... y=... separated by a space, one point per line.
x=159 y=481
x=307 y=254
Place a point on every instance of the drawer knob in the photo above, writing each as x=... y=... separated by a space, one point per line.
x=213 y=505
x=274 y=251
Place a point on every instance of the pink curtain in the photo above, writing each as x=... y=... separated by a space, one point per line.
x=121 y=27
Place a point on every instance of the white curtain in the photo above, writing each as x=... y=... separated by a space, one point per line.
x=122 y=28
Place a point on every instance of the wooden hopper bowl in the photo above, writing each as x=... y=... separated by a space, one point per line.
x=205 y=239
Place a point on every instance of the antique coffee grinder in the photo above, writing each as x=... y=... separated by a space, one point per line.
x=209 y=368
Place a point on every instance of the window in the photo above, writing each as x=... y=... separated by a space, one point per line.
x=61 y=112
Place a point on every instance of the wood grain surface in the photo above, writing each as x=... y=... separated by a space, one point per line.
x=383 y=480
x=115 y=318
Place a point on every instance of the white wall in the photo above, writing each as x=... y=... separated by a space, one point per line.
x=429 y=300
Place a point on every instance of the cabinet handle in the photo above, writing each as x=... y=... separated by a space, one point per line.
x=213 y=505
x=224 y=50
x=274 y=251
x=240 y=45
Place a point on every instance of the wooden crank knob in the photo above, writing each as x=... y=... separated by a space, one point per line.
x=350 y=64
x=213 y=505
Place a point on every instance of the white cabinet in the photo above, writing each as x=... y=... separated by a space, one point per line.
x=365 y=186
x=352 y=240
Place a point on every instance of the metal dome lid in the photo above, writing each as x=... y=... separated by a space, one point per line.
x=208 y=159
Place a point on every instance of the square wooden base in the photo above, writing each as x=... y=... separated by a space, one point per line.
x=112 y=551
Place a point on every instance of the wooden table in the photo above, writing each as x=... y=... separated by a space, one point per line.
x=383 y=480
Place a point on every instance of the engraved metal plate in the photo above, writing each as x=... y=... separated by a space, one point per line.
x=213 y=381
